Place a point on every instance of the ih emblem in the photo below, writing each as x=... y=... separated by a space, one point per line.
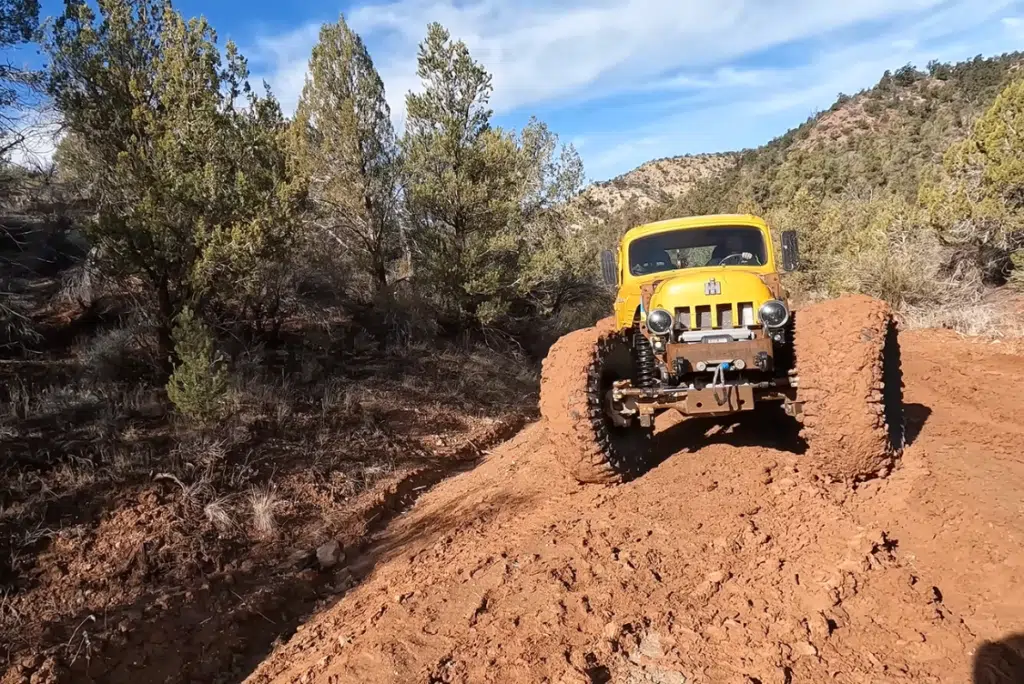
x=712 y=287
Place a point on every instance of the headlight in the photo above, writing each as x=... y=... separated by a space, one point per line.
x=774 y=313
x=659 y=321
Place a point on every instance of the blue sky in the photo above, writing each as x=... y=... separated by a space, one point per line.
x=631 y=80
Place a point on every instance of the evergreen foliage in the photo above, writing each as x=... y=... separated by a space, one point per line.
x=486 y=207
x=344 y=144
x=199 y=384
x=184 y=163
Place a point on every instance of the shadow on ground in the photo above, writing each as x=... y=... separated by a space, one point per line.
x=916 y=415
x=999 y=662
x=769 y=427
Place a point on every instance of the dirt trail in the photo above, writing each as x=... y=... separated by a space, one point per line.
x=726 y=563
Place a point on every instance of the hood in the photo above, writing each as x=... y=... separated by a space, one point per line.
x=712 y=285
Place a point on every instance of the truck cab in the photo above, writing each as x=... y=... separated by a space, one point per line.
x=722 y=268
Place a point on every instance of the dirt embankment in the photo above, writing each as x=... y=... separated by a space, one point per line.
x=729 y=562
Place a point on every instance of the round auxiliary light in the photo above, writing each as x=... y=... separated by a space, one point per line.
x=659 y=321
x=739 y=364
x=774 y=313
x=701 y=366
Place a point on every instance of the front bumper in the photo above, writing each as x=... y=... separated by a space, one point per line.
x=755 y=354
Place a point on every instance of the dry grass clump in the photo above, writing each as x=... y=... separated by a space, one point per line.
x=218 y=513
x=124 y=353
x=263 y=502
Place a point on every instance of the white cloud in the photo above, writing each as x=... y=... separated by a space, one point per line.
x=542 y=51
x=36 y=134
x=1014 y=26
x=683 y=61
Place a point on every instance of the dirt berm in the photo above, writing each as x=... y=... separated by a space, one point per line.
x=728 y=562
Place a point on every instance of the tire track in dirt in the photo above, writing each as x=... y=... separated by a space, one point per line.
x=729 y=562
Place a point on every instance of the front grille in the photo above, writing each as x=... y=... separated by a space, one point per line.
x=683 y=318
x=704 y=318
x=724 y=312
x=720 y=316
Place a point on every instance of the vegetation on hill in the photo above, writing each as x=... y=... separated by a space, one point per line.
x=907 y=190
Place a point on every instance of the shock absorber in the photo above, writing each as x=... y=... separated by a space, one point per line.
x=643 y=356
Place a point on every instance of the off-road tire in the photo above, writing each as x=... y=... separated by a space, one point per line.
x=851 y=386
x=575 y=376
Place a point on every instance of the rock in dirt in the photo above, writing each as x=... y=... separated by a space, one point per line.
x=611 y=631
x=329 y=554
x=649 y=675
x=299 y=559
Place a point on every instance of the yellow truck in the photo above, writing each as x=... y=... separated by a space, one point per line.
x=703 y=325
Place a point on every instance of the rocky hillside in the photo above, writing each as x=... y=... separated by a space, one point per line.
x=651 y=184
x=884 y=136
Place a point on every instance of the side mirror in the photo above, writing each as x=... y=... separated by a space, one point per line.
x=790 y=251
x=608 y=268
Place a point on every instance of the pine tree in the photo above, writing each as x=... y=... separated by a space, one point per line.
x=344 y=143
x=198 y=385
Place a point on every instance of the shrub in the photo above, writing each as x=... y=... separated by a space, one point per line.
x=1016 y=279
x=199 y=383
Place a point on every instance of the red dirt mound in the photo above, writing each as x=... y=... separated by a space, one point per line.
x=729 y=562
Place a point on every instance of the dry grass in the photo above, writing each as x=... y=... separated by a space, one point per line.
x=980 y=319
x=263 y=502
x=100 y=479
x=218 y=513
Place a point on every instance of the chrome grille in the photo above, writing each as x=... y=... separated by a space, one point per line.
x=717 y=316
x=746 y=312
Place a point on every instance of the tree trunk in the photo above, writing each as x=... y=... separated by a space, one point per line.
x=380 y=277
x=165 y=326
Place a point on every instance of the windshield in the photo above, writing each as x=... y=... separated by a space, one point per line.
x=696 y=247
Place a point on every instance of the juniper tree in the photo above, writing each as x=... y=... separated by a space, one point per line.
x=489 y=207
x=344 y=143
x=976 y=201
x=184 y=163
x=460 y=177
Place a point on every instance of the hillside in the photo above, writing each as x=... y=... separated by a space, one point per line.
x=882 y=137
x=651 y=184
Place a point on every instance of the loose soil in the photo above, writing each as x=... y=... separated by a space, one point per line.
x=728 y=562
